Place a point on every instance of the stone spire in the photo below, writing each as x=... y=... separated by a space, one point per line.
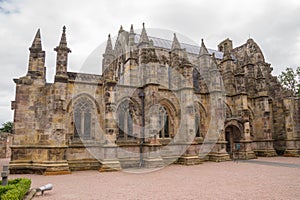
x=203 y=49
x=63 y=41
x=36 y=44
x=175 y=43
x=144 y=40
x=36 y=66
x=109 y=54
x=109 y=48
x=62 y=56
x=131 y=36
x=204 y=59
x=131 y=29
x=121 y=29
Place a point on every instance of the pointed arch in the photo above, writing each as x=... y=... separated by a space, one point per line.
x=200 y=119
x=169 y=105
x=88 y=96
x=128 y=119
x=168 y=118
x=236 y=123
x=84 y=114
x=233 y=134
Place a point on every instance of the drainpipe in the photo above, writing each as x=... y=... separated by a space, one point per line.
x=142 y=138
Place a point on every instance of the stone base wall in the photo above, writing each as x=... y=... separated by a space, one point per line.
x=264 y=147
x=293 y=148
x=51 y=160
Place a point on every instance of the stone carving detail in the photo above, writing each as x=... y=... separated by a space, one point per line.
x=44 y=116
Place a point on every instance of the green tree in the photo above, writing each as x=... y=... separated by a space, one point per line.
x=7 y=127
x=290 y=79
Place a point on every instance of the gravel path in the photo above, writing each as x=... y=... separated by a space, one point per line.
x=225 y=180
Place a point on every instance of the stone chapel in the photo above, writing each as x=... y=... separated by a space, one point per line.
x=156 y=102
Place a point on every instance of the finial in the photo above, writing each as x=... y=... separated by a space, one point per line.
x=144 y=37
x=175 y=43
x=203 y=49
x=121 y=29
x=131 y=29
x=63 y=42
x=108 y=49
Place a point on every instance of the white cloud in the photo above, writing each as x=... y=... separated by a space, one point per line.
x=275 y=25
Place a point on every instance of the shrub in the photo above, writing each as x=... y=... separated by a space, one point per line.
x=15 y=189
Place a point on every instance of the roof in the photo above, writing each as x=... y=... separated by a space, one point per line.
x=167 y=44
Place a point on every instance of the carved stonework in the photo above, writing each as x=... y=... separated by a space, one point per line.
x=154 y=81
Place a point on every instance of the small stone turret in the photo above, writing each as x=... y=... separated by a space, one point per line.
x=144 y=40
x=36 y=67
x=226 y=45
x=131 y=36
x=108 y=55
x=62 y=58
x=175 y=44
x=204 y=59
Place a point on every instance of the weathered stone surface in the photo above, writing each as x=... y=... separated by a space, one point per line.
x=88 y=121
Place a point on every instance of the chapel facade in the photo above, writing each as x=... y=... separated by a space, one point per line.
x=157 y=102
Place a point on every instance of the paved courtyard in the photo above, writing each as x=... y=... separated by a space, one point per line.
x=263 y=178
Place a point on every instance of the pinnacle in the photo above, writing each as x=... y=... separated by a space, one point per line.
x=63 y=41
x=131 y=29
x=108 y=48
x=144 y=37
x=121 y=29
x=175 y=43
x=203 y=49
x=36 y=44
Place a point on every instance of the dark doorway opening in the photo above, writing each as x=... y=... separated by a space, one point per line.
x=232 y=136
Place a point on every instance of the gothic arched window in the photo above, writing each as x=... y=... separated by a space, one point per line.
x=83 y=108
x=197 y=123
x=125 y=121
x=163 y=123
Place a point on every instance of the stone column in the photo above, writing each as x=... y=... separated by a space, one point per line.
x=109 y=156
x=292 y=124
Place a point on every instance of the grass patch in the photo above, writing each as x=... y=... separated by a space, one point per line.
x=15 y=189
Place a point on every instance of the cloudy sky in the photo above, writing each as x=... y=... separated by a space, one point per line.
x=273 y=24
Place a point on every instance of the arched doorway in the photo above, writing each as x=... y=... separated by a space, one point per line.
x=232 y=136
